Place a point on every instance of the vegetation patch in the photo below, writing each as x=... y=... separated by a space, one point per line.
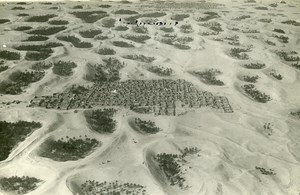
x=279 y=31
x=296 y=114
x=14 y=133
x=2 y=21
x=23 y=28
x=147 y=127
x=63 y=68
x=167 y=29
x=101 y=120
x=47 y=30
x=122 y=44
x=121 y=28
x=108 y=22
x=68 y=149
x=180 y=17
x=288 y=56
x=140 y=58
x=18 y=8
x=276 y=75
x=250 y=79
x=255 y=66
x=136 y=38
x=22 y=14
x=265 y=20
x=2 y=66
x=42 y=18
x=209 y=76
x=281 y=38
x=9 y=55
x=27 y=77
x=58 y=22
x=243 y=17
x=291 y=22
x=161 y=71
x=261 y=8
x=115 y=187
x=239 y=53
x=255 y=94
x=19 y=185
x=36 y=38
x=75 y=41
x=106 y=51
x=125 y=12
x=90 y=33
x=90 y=16
x=186 y=28
x=140 y=29
x=41 y=66
x=265 y=171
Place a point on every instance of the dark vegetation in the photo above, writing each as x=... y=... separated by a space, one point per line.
x=161 y=71
x=239 y=53
x=243 y=17
x=279 y=31
x=281 y=38
x=68 y=149
x=270 y=43
x=108 y=22
x=291 y=22
x=180 y=17
x=41 y=66
x=75 y=41
x=255 y=93
x=140 y=58
x=112 y=188
x=58 y=22
x=288 y=56
x=19 y=185
x=209 y=76
x=101 y=37
x=255 y=66
x=106 y=51
x=146 y=126
x=250 y=79
x=108 y=71
x=78 y=7
x=167 y=29
x=45 y=30
x=36 y=38
x=2 y=21
x=22 y=14
x=136 y=38
x=261 y=8
x=105 y=6
x=296 y=114
x=101 y=120
x=9 y=55
x=209 y=16
x=13 y=133
x=275 y=75
x=64 y=68
x=2 y=66
x=265 y=171
x=140 y=29
x=90 y=33
x=122 y=44
x=186 y=28
x=22 y=28
x=90 y=16
x=296 y=65
x=265 y=20
x=125 y=12
x=18 y=8
x=121 y=28
x=42 y=18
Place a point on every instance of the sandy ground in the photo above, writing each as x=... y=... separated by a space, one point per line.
x=231 y=145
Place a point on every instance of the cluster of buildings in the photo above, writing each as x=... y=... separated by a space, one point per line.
x=161 y=97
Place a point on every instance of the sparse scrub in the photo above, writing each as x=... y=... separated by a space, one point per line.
x=265 y=20
x=255 y=66
x=146 y=126
x=101 y=120
x=265 y=171
x=295 y=114
x=3 y=67
x=239 y=53
x=9 y=55
x=122 y=44
x=36 y=38
x=140 y=58
x=255 y=93
x=181 y=46
x=47 y=30
x=101 y=37
x=27 y=77
x=281 y=38
x=78 y=7
x=18 y=8
x=210 y=15
x=275 y=75
x=41 y=66
x=180 y=17
x=36 y=56
x=140 y=29
x=243 y=17
x=75 y=41
x=209 y=76
x=42 y=18
x=186 y=28
x=2 y=21
x=167 y=29
x=161 y=71
x=105 y=6
x=121 y=28
x=270 y=43
x=291 y=22
x=106 y=51
x=90 y=16
x=90 y=33
x=261 y=8
x=250 y=79
x=279 y=31
x=22 y=14
x=58 y=22
x=23 y=28
x=108 y=22
x=64 y=68
x=19 y=185
x=12 y=133
x=268 y=129
x=136 y=38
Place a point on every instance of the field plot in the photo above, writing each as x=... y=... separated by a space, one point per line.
x=150 y=97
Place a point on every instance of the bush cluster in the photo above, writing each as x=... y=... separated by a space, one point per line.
x=122 y=44
x=255 y=93
x=90 y=33
x=90 y=16
x=58 y=22
x=209 y=76
x=250 y=79
x=19 y=185
x=255 y=66
x=63 y=68
x=106 y=51
x=75 y=41
x=36 y=38
x=140 y=58
x=101 y=120
x=136 y=38
x=42 y=18
x=161 y=71
x=9 y=55
x=146 y=126
x=46 y=30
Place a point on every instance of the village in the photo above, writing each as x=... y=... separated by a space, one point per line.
x=161 y=97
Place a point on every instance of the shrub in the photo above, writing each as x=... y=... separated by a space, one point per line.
x=291 y=22
x=121 y=28
x=273 y=5
x=261 y=8
x=101 y=120
x=140 y=29
x=270 y=43
x=90 y=16
x=2 y=67
x=125 y=12
x=265 y=20
x=153 y=15
x=108 y=22
x=281 y=38
x=105 y=6
x=296 y=65
x=36 y=38
x=106 y=51
x=167 y=29
x=22 y=28
x=186 y=28
x=17 y=8
x=255 y=66
x=2 y=21
x=78 y=7
x=63 y=68
x=22 y=15
x=14 y=133
x=122 y=44
x=136 y=38
x=181 y=46
x=19 y=185
x=41 y=66
x=264 y=171
x=101 y=37
x=90 y=33
x=141 y=58
x=47 y=30
x=279 y=31
x=209 y=76
x=276 y=76
x=146 y=126
x=161 y=71
x=10 y=88
x=58 y=22
x=180 y=17
x=70 y=149
x=9 y=55
x=27 y=77
x=250 y=79
x=239 y=53
x=243 y=17
x=75 y=41
x=42 y=18
x=296 y=114
x=256 y=94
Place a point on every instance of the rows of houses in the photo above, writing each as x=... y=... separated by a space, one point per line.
x=162 y=97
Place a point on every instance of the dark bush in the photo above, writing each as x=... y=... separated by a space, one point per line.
x=2 y=21
x=106 y=51
x=22 y=28
x=125 y=12
x=9 y=55
x=58 y=22
x=63 y=68
x=19 y=185
x=291 y=22
x=255 y=66
x=22 y=14
x=209 y=76
x=101 y=120
x=161 y=71
x=180 y=17
x=140 y=58
x=121 y=28
x=42 y=18
x=140 y=29
x=36 y=38
x=279 y=31
x=47 y=30
x=146 y=126
x=75 y=41
x=136 y=38
x=90 y=16
x=255 y=93
x=167 y=29
x=38 y=55
x=108 y=22
x=122 y=44
x=18 y=8
x=90 y=33
x=41 y=66
x=250 y=79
